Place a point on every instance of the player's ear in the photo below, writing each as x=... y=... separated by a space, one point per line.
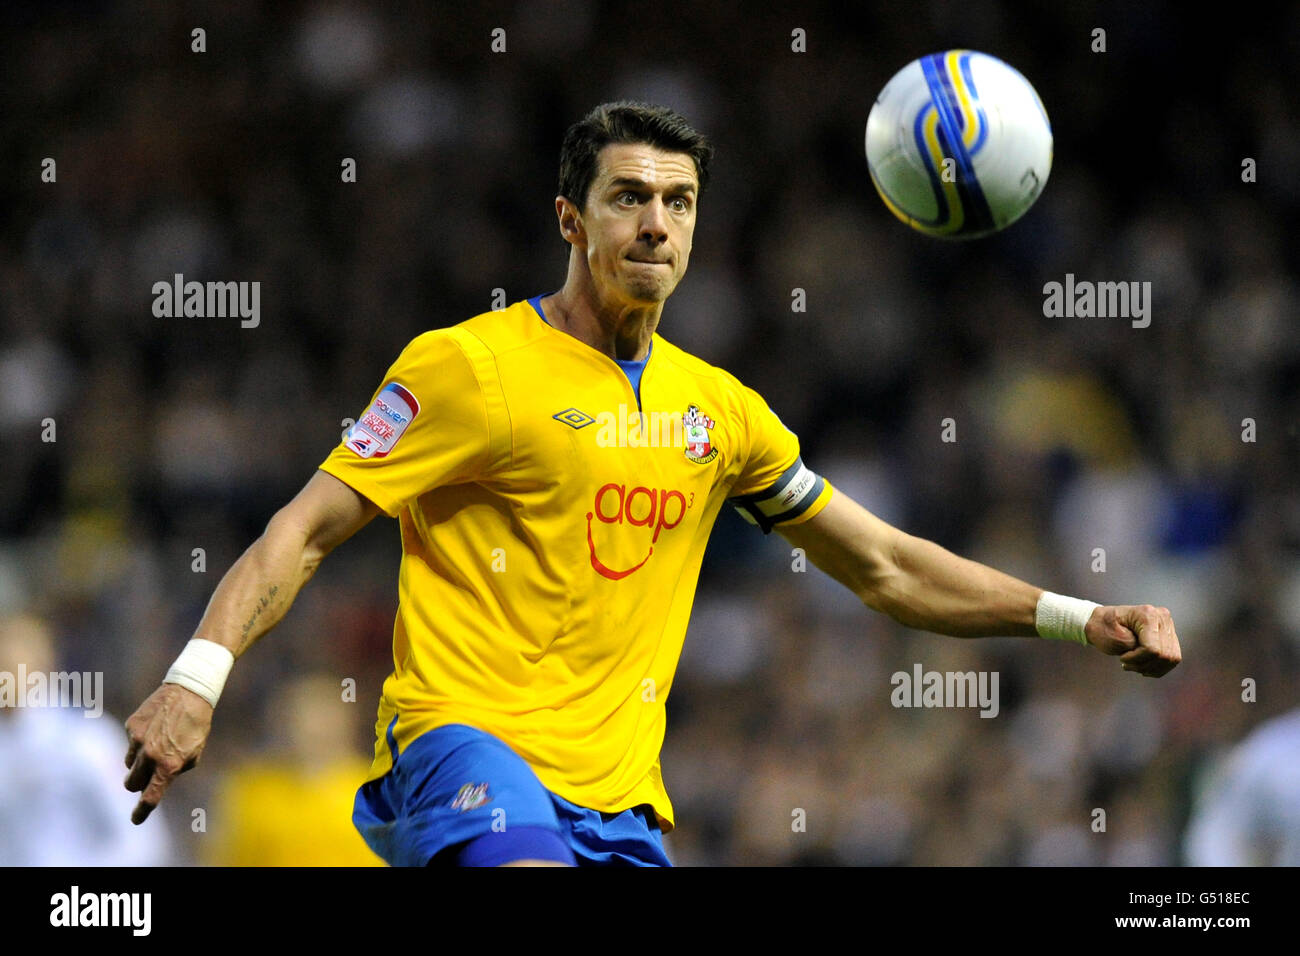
x=570 y=219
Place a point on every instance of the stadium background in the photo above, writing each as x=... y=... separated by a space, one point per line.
x=1073 y=434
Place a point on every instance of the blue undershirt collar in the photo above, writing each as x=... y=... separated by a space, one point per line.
x=632 y=368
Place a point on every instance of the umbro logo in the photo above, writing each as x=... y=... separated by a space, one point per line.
x=573 y=418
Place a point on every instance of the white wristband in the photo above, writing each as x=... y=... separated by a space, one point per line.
x=203 y=668
x=1061 y=618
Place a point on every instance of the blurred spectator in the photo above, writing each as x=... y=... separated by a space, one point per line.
x=1248 y=812
x=293 y=805
x=62 y=802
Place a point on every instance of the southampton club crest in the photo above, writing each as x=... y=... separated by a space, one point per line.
x=470 y=797
x=695 y=430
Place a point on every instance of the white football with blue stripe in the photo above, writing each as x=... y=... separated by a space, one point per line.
x=959 y=144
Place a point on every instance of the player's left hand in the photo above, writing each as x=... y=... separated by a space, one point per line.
x=1142 y=635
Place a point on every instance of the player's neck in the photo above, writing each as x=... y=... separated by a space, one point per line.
x=618 y=329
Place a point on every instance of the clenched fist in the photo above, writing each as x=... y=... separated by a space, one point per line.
x=1143 y=636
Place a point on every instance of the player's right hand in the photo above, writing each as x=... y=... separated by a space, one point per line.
x=167 y=734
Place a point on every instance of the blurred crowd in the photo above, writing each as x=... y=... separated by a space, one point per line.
x=1124 y=465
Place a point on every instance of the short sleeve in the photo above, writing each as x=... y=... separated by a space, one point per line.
x=774 y=486
x=426 y=426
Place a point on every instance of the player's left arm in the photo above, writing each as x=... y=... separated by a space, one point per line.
x=924 y=586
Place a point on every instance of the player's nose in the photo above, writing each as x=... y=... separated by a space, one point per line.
x=654 y=222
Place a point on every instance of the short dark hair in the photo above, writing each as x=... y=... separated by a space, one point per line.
x=626 y=121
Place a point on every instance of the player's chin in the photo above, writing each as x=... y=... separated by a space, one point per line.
x=650 y=292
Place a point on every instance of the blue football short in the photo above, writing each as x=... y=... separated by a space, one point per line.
x=460 y=796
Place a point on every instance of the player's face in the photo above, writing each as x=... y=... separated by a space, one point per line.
x=639 y=221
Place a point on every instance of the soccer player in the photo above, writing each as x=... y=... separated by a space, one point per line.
x=556 y=467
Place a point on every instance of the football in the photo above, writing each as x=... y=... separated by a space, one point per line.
x=958 y=144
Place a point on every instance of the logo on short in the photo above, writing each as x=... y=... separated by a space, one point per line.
x=384 y=422
x=470 y=797
x=699 y=443
x=573 y=418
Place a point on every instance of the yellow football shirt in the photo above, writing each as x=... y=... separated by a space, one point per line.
x=553 y=522
x=275 y=814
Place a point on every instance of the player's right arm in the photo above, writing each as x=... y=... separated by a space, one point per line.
x=168 y=732
x=428 y=425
